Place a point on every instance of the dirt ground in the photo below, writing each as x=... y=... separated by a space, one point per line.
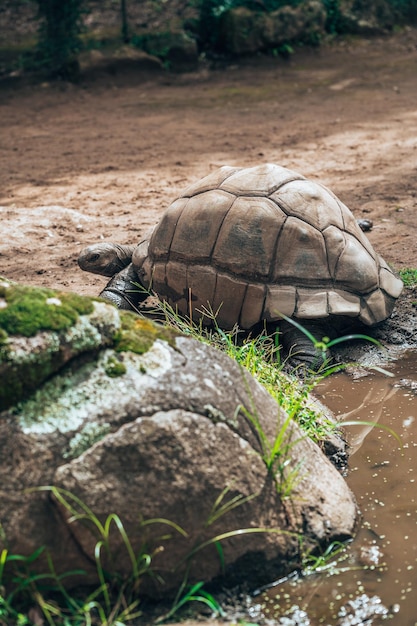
x=102 y=159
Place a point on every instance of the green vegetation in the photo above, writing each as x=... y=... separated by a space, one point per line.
x=409 y=276
x=28 y=310
x=337 y=22
x=137 y=334
x=116 y=601
x=113 y=603
x=60 y=26
x=402 y=8
x=63 y=32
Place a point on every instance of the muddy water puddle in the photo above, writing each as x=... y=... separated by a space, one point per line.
x=375 y=577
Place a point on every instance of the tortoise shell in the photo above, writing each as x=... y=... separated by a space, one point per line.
x=255 y=243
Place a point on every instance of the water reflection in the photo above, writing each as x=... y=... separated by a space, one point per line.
x=368 y=412
x=382 y=560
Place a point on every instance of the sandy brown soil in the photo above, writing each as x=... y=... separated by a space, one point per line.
x=101 y=160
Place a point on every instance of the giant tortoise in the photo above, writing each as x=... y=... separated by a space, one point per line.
x=253 y=245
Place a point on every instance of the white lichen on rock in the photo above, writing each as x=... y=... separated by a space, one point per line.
x=65 y=403
x=85 y=438
x=156 y=361
x=90 y=331
x=31 y=349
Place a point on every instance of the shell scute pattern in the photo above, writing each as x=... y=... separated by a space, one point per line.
x=388 y=282
x=253 y=305
x=312 y=304
x=198 y=226
x=280 y=299
x=252 y=224
x=301 y=255
x=162 y=236
x=210 y=182
x=344 y=301
x=258 y=242
x=356 y=269
x=335 y=242
x=311 y=203
x=262 y=180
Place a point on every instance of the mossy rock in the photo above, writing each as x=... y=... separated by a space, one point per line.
x=138 y=334
x=27 y=310
x=42 y=331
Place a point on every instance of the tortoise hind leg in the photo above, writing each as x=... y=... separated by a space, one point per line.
x=302 y=351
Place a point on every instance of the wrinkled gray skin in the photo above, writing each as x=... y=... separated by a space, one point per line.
x=125 y=291
x=106 y=259
x=111 y=259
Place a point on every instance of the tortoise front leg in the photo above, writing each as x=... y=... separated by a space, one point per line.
x=124 y=290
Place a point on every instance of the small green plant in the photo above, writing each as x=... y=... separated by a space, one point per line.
x=195 y=593
x=114 y=603
x=276 y=454
x=409 y=276
x=327 y=561
x=322 y=346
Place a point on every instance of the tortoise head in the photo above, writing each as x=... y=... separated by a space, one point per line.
x=105 y=258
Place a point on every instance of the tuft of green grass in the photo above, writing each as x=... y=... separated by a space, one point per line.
x=260 y=355
x=116 y=601
x=409 y=276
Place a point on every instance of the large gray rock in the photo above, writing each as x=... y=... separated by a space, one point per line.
x=138 y=421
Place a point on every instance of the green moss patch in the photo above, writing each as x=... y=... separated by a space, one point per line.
x=28 y=310
x=139 y=334
x=23 y=378
x=25 y=312
x=57 y=327
x=114 y=367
